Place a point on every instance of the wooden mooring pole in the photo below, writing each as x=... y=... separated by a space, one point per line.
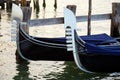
x=115 y=20
x=23 y=3
x=17 y=2
x=89 y=18
x=72 y=8
x=26 y=18
x=26 y=13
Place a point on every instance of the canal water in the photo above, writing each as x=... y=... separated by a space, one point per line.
x=51 y=70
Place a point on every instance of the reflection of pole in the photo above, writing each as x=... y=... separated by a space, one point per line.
x=23 y=71
x=55 y=13
x=37 y=6
x=34 y=3
x=89 y=17
x=44 y=3
x=0 y=14
x=55 y=5
x=44 y=13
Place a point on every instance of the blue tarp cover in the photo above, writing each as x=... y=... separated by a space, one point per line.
x=98 y=39
x=95 y=44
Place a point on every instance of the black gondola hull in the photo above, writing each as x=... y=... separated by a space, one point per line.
x=32 y=51
x=101 y=63
x=36 y=52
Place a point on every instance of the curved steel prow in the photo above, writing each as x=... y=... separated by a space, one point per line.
x=16 y=18
x=17 y=13
x=70 y=26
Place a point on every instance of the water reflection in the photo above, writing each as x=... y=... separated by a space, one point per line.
x=44 y=13
x=55 y=13
x=71 y=72
x=36 y=6
x=44 y=3
x=55 y=4
x=23 y=71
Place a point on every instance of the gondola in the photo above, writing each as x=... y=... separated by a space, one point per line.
x=93 y=56
x=38 y=48
x=67 y=48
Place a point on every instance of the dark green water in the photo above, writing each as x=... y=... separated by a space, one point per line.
x=70 y=72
